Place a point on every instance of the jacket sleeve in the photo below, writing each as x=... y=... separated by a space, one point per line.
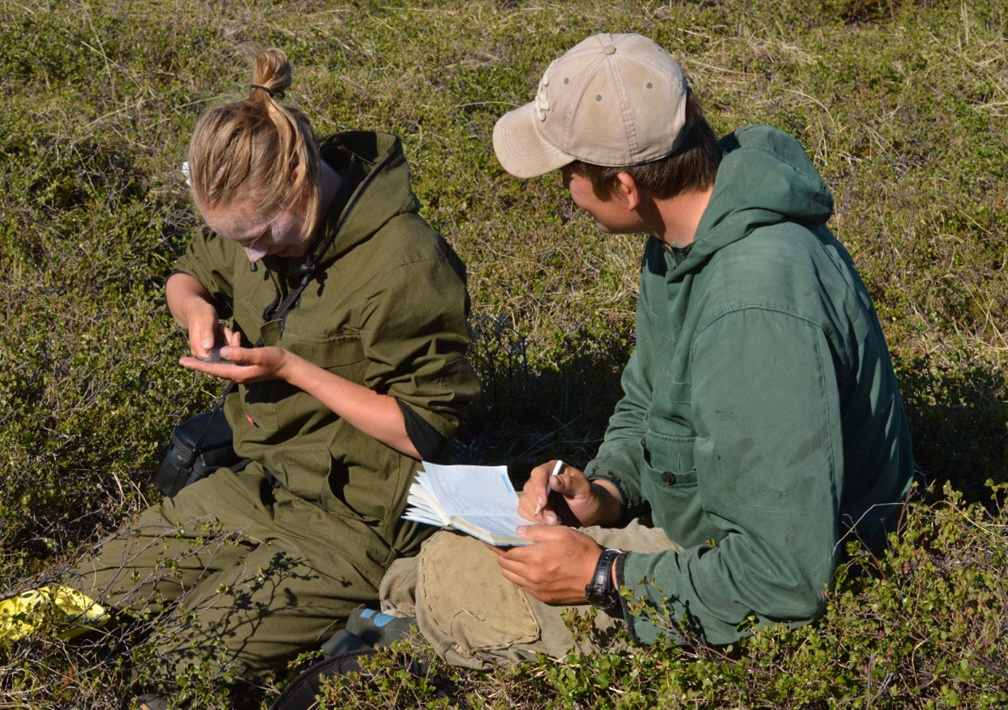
x=415 y=333
x=619 y=458
x=769 y=465
x=210 y=260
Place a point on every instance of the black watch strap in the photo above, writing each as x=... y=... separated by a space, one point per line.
x=600 y=592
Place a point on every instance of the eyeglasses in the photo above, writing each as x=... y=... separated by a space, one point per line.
x=251 y=243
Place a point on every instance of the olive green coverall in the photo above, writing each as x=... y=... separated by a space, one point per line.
x=271 y=559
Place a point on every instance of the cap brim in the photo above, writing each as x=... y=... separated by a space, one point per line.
x=519 y=147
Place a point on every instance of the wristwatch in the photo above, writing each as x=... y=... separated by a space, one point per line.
x=600 y=592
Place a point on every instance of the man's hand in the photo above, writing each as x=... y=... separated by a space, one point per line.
x=556 y=569
x=246 y=365
x=573 y=498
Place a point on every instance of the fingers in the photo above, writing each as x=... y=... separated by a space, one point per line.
x=571 y=482
x=531 y=507
x=556 y=568
x=556 y=494
x=537 y=482
x=203 y=324
x=535 y=511
x=534 y=501
x=496 y=550
x=546 y=533
x=256 y=364
x=550 y=517
x=515 y=578
x=515 y=571
x=266 y=359
x=232 y=338
x=239 y=373
x=526 y=507
x=211 y=368
x=538 y=533
x=201 y=337
x=239 y=355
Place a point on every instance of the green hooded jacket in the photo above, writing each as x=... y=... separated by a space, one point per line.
x=388 y=310
x=761 y=420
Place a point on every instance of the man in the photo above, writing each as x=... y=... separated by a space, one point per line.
x=761 y=424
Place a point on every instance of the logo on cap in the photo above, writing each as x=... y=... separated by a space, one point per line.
x=542 y=104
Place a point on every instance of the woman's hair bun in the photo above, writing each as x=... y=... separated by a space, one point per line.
x=272 y=71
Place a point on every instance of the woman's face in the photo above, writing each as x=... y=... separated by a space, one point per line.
x=280 y=233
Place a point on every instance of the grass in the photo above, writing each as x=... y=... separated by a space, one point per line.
x=903 y=107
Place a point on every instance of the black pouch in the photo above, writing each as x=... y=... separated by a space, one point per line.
x=199 y=445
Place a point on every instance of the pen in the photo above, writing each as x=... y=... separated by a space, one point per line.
x=556 y=472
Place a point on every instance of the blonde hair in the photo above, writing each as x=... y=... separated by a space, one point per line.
x=248 y=149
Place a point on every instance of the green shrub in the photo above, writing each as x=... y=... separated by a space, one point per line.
x=902 y=105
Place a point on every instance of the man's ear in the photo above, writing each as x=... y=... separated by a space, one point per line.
x=628 y=190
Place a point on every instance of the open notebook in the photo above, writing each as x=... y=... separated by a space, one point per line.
x=477 y=500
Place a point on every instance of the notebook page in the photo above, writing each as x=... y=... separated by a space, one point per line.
x=465 y=491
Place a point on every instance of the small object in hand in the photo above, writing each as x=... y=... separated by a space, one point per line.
x=549 y=488
x=215 y=356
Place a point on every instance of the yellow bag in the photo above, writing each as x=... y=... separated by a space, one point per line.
x=20 y=614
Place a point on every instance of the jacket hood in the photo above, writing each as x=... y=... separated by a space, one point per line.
x=379 y=178
x=764 y=178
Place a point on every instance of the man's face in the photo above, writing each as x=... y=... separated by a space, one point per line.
x=612 y=215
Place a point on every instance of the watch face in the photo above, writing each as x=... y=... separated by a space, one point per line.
x=602 y=600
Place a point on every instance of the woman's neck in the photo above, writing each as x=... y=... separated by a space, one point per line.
x=331 y=183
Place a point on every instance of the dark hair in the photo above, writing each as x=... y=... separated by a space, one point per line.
x=692 y=166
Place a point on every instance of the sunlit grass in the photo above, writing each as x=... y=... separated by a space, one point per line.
x=903 y=107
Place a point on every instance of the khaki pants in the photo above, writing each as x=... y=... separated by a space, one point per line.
x=474 y=617
x=252 y=575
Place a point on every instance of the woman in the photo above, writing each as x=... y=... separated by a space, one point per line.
x=360 y=378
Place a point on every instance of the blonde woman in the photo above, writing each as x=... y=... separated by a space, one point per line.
x=360 y=378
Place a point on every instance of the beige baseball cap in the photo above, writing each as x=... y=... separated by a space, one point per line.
x=614 y=100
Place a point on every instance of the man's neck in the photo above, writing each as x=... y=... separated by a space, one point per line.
x=674 y=220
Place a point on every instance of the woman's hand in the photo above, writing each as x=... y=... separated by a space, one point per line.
x=244 y=365
x=205 y=329
x=377 y=415
x=190 y=305
x=570 y=498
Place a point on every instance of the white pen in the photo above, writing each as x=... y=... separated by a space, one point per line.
x=549 y=488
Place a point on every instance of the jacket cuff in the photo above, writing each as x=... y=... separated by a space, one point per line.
x=427 y=440
x=632 y=622
x=631 y=507
x=620 y=583
x=632 y=572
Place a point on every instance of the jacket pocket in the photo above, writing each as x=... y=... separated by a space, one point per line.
x=669 y=413
x=273 y=405
x=669 y=483
x=338 y=353
x=259 y=402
